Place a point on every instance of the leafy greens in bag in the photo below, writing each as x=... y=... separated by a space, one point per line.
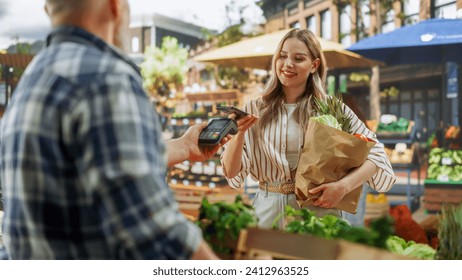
x=330 y=152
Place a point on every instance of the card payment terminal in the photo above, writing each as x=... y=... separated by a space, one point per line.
x=214 y=132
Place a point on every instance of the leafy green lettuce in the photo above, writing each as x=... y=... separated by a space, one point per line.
x=328 y=120
x=398 y=245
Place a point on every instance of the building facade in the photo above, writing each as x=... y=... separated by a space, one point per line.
x=414 y=92
x=150 y=30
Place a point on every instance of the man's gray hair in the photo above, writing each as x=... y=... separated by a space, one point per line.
x=62 y=5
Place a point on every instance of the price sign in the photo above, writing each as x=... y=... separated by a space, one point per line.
x=443 y=178
x=446 y=161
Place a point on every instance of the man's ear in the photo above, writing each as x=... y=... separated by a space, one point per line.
x=114 y=6
x=45 y=7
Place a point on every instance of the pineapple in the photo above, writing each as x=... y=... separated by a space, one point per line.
x=333 y=106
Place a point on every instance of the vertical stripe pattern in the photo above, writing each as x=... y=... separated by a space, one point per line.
x=265 y=161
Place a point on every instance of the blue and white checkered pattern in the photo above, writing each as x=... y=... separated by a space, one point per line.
x=83 y=162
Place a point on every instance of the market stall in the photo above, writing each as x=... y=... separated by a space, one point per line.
x=399 y=138
x=230 y=229
x=444 y=176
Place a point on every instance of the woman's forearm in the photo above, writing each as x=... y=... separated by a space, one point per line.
x=360 y=175
x=232 y=156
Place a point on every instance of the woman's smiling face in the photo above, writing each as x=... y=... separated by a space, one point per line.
x=294 y=64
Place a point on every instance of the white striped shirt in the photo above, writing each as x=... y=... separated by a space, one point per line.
x=265 y=159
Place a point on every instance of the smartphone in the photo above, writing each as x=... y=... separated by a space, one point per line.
x=233 y=110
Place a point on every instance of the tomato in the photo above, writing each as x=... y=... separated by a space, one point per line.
x=360 y=136
x=363 y=137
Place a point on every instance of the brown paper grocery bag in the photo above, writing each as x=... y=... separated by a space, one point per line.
x=327 y=156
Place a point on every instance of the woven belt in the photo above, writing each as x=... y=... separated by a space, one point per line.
x=284 y=188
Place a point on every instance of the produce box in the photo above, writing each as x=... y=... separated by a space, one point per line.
x=401 y=156
x=375 y=210
x=257 y=243
x=396 y=130
x=372 y=125
x=437 y=193
x=445 y=165
x=189 y=198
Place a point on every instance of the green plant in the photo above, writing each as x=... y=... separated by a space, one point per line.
x=221 y=220
x=164 y=68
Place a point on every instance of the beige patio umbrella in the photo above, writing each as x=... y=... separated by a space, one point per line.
x=257 y=52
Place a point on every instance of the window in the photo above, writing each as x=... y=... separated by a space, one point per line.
x=326 y=25
x=307 y=3
x=444 y=9
x=295 y=24
x=345 y=26
x=311 y=23
x=363 y=21
x=411 y=11
x=389 y=22
x=292 y=8
x=135 y=44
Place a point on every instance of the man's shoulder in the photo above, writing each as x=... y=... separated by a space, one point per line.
x=83 y=64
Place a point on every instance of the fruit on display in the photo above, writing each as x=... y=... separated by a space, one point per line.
x=452 y=132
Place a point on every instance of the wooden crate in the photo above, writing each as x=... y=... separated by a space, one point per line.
x=376 y=210
x=436 y=194
x=189 y=198
x=397 y=135
x=256 y=243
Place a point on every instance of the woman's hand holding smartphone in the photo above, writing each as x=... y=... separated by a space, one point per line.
x=233 y=110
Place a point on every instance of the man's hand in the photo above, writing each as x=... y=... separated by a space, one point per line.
x=200 y=153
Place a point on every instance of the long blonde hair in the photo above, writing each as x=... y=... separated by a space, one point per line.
x=273 y=95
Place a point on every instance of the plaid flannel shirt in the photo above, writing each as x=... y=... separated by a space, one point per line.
x=83 y=162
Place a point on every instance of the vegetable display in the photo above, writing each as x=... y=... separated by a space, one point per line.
x=401 y=125
x=219 y=220
x=332 y=227
x=445 y=164
x=406 y=227
x=398 y=245
x=380 y=233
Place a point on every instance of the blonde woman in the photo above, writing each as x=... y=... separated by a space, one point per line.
x=269 y=140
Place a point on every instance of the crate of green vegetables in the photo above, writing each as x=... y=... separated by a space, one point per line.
x=399 y=129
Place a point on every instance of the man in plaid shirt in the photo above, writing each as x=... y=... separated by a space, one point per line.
x=83 y=163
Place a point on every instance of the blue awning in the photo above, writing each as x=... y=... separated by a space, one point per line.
x=429 y=41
